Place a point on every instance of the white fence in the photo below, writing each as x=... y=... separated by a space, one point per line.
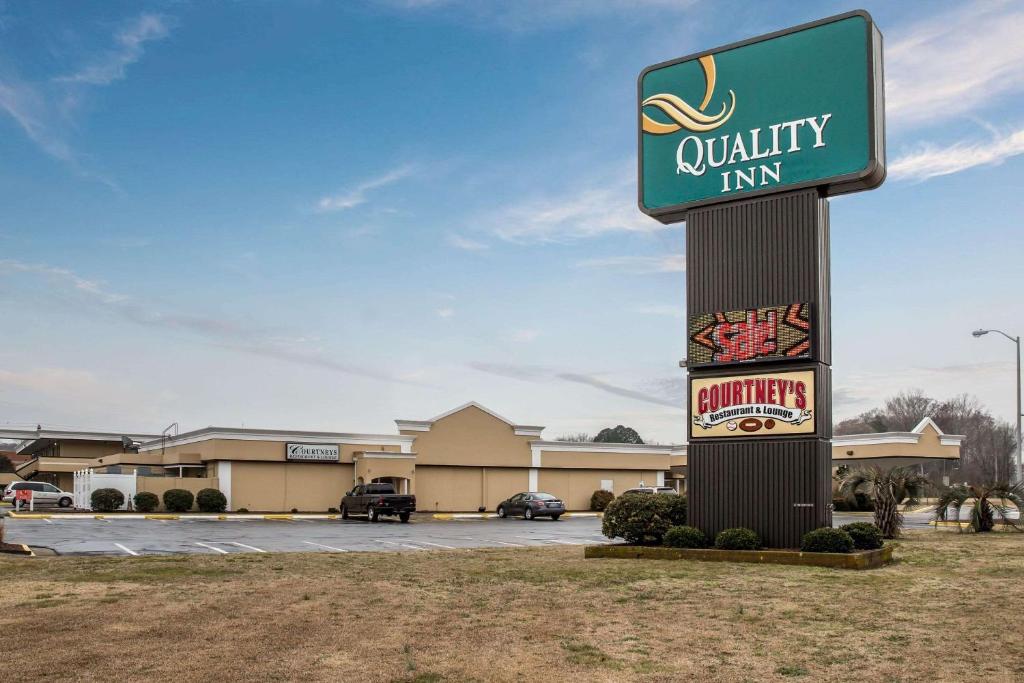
x=87 y=481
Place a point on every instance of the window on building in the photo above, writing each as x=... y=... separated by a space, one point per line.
x=607 y=485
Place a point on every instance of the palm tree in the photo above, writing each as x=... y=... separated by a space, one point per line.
x=887 y=488
x=988 y=501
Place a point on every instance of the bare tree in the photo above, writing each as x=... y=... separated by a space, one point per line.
x=576 y=437
x=986 y=454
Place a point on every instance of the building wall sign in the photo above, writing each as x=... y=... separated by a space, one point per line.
x=770 y=333
x=797 y=108
x=756 y=404
x=311 y=452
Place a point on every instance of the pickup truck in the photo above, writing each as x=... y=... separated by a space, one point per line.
x=374 y=500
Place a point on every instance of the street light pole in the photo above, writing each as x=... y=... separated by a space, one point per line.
x=1015 y=340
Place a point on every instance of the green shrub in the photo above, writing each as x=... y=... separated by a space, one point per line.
x=599 y=500
x=737 y=539
x=643 y=519
x=332 y=511
x=178 y=500
x=685 y=537
x=677 y=508
x=106 y=500
x=242 y=510
x=211 y=500
x=826 y=540
x=865 y=535
x=146 y=501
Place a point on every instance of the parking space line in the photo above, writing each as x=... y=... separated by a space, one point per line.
x=493 y=540
x=213 y=547
x=250 y=547
x=556 y=540
x=439 y=545
x=404 y=545
x=321 y=545
x=47 y=520
x=127 y=550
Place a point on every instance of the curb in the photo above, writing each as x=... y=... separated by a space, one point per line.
x=450 y=516
x=160 y=516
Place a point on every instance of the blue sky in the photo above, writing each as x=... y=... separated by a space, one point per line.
x=330 y=215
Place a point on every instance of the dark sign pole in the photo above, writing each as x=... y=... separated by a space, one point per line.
x=751 y=254
x=746 y=143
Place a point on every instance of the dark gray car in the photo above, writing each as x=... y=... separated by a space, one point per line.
x=531 y=506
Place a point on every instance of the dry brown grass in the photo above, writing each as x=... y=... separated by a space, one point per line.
x=941 y=614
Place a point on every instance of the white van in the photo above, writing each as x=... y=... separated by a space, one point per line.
x=42 y=494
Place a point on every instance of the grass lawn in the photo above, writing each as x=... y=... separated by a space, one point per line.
x=949 y=609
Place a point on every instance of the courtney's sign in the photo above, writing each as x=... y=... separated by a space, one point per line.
x=791 y=109
x=311 y=452
x=754 y=334
x=764 y=404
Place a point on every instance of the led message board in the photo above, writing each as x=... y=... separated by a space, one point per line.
x=770 y=333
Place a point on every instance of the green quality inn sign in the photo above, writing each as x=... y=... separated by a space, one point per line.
x=797 y=108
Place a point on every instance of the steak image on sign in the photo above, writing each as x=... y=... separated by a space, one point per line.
x=797 y=108
x=749 y=335
x=754 y=404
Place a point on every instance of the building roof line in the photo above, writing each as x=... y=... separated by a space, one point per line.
x=251 y=434
x=424 y=425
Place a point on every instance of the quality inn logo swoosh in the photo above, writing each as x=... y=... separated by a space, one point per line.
x=684 y=115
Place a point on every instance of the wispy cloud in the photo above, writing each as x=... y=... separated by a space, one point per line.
x=445 y=313
x=533 y=15
x=31 y=110
x=525 y=336
x=929 y=160
x=667 y=310
x=465 y=243
x=540 y=374
x=129 y=46
x=354 y=196
x=227 y=333
x=591 y=209
x=640 y=265
x=42 y=109
x=955 y=63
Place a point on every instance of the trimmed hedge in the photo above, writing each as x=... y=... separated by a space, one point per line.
x=685 y=537
x=739 y=538
x=211 y=500
x=865 y=535
x=178 y=500
x=106 y=500
x=146 y=501
x=826 y=540
x=599 y=500
x=643 y=519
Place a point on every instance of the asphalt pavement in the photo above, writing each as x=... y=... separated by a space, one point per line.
x=126 y=536
x=113 y=536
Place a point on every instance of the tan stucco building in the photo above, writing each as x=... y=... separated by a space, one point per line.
x=467 y=459
x=924 y=444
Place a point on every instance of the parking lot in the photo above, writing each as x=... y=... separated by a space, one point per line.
x=114 y=536
x=126 y=536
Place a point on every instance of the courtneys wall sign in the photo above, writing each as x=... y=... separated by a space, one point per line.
x=311 y=452
x=792 y=109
